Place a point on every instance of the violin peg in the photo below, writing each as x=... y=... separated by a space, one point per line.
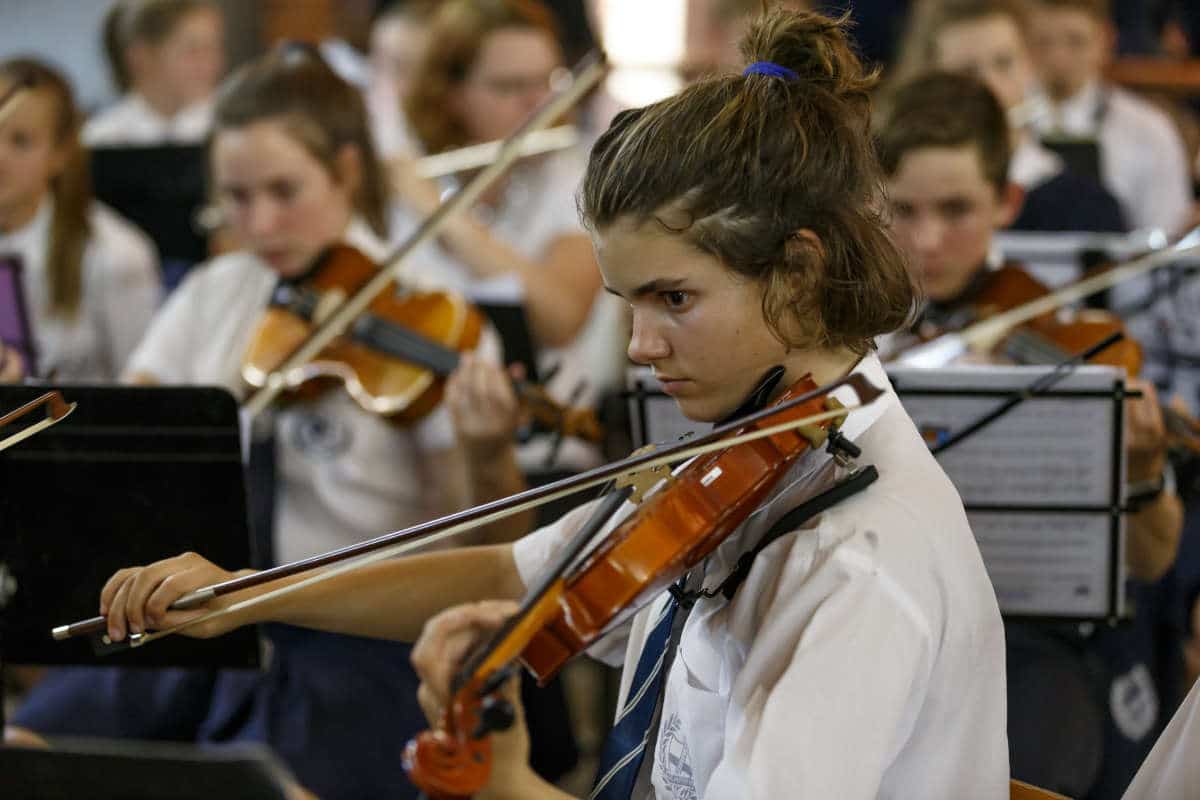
x=495 y=714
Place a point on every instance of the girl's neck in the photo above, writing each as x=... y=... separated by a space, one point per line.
x=824 y=366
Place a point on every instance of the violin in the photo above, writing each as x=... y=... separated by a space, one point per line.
x=984 y=335
x=394 y=359
x=581 y=597
x=1047 y=338
x=283 y=365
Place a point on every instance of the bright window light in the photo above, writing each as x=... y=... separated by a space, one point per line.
x=644 y=40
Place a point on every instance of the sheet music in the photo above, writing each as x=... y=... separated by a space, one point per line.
x=1047 y=563
x=1038 y=483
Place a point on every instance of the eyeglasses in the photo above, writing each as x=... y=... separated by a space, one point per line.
x=517 y=85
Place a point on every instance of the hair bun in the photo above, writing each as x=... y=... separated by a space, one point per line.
x=815 y=47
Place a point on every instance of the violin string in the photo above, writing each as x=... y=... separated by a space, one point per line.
x=405 y=546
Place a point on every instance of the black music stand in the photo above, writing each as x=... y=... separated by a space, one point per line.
x=132 y=476
x=112 y=770
x=161 y=189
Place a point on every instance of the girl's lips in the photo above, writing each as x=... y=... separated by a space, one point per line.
x=671 y=385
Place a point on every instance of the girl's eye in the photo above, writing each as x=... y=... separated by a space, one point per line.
x=284 y=191
x=676 y=298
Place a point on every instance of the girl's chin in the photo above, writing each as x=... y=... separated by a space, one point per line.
x=697 y=410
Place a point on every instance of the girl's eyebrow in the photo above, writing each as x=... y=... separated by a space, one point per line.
x=651 y=287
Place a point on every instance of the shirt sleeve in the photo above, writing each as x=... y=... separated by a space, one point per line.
x=1166 y=192
x=832 y=628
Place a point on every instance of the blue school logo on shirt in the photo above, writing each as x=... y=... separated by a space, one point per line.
x=674 y=763
x=318 y=436
x=1134 y=703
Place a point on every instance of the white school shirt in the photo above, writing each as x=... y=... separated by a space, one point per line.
x=121 y=289
x=538 y=207
x=862 y=657
x=1172 y=770
x=132 y=122
x=1143 y=161
x=345 y=474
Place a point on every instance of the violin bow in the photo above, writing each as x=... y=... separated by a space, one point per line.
x=587 y=75
x=391 y=545
x=439 y=165
x=57 y=410
x=987 y=333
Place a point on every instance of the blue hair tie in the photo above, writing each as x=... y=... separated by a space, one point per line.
x=771 y=70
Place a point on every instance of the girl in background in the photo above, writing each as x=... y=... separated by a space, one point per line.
x=90 y=279
x=491 y=66
x=167 y=56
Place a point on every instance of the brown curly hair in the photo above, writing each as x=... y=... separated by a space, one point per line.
x=748 y=162
x=456 y=34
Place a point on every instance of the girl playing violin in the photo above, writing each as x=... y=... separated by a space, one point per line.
x=862 y=655
x=90 y=279
x=493 y=63
x=295 y=173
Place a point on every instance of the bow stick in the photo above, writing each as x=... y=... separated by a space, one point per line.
x=56 y=410
x=986 y=334
x=391 y=545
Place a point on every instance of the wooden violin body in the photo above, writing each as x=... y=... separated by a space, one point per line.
x=671 y=531
x=393 y=359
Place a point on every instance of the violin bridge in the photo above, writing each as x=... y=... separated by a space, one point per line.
x=644 y=480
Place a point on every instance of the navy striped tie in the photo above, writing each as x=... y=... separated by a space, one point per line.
x=625 y=747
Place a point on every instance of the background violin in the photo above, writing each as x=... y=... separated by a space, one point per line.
x=1048 y=338
x=394 y=358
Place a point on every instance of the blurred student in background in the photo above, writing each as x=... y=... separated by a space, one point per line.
x=1138 y=152
x=90 y=279
x=988 y=39
x=398 y=37
x=167 y=56
x=493 y=65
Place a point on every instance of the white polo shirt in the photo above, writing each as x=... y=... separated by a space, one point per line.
x=862 y=657
x=121 y=290
x=345 y=474
x=132 y=122
x=1172 y=770
x=1142 y=158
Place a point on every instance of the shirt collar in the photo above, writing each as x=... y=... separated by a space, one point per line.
x=1032 y=164
x=34 y=235
x=857 y=422
x=1078 y=113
